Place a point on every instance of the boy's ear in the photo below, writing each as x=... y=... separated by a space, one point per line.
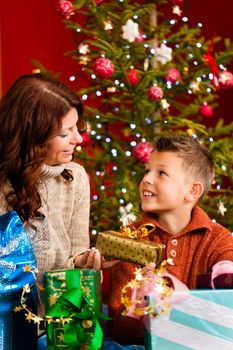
x=196 y=190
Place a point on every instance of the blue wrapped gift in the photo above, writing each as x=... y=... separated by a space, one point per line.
x=202 y=320
x=16 y=252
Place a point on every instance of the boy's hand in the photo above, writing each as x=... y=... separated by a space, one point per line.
x=147 y=270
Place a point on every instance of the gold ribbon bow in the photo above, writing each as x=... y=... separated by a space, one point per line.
x=140 y=232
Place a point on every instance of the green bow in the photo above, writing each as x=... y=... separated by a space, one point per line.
x=74 y=318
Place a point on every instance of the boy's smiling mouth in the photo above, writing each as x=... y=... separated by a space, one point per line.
x=148 y=194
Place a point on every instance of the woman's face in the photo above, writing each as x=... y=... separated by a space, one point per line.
x=60 y=148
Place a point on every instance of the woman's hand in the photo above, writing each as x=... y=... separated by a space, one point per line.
x=91 y=259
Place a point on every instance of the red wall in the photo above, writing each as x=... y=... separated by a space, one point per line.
x=32 y=30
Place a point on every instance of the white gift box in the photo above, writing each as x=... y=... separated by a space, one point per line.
x=202 y=320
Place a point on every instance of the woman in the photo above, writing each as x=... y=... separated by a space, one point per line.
x=40 y=123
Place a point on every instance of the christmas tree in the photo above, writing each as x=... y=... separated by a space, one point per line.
x=147 y=73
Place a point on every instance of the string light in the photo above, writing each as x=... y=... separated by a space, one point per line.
x=114 y=152
x=133 y=126
x=223 y=167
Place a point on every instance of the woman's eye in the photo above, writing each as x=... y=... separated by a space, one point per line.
x=63 y=135
x=162 y=173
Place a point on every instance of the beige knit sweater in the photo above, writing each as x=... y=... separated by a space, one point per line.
x=63 y=231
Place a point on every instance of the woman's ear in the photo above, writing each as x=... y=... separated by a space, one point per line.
x=196 y=191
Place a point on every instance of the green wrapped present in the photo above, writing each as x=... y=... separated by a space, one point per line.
x=129 y=246
x=73 y=309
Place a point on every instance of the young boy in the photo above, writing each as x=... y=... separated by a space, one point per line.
x=179 y=173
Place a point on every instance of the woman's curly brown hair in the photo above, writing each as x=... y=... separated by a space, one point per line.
x=31 y=112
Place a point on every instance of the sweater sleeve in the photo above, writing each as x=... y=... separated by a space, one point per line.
x=124 y=329
x=79 y=226
x=221 y=245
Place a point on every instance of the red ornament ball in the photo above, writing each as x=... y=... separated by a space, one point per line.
x=142 y=151
x=98 y=2
x=206 y=110
x=103 y=67
x=155 y=93
x=226 y=79
x=86 y=140
x=133 y=76
x=177 y=2
x=173 y=75
x=65 y=8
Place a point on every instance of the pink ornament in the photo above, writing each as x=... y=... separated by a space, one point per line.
x=140 y=38
x=155 y=93
x=143 y=151
x=103 y=67
x=226 y=79
x=133 y=76
x=206 y=110
x=65 y=8
x=98 y=2
x=86 y=139
x=173 y=75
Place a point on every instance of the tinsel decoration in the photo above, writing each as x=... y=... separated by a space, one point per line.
x=133 y=294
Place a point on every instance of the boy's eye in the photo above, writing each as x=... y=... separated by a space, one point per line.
x=162 y=173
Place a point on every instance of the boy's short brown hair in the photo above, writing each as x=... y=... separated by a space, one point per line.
x=197 y=160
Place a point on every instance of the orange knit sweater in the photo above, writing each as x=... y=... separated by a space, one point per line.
x=195 y=250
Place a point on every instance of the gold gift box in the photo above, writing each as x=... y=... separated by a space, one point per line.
x=112 y=244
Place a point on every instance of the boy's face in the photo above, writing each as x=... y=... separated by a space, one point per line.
x=165 y=185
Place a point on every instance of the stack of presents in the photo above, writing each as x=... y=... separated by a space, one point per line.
x=200 y=319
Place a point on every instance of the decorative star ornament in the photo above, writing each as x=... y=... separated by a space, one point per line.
x=221 y=208
x=126 y=216
x=27 y=268
x=163 y=54
x=83 y=49
x=108 y=25
x=165 y=105
x=53 y=299
x=194 y=86
x=176 y=10
x=130 y=31
x=146 y=65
